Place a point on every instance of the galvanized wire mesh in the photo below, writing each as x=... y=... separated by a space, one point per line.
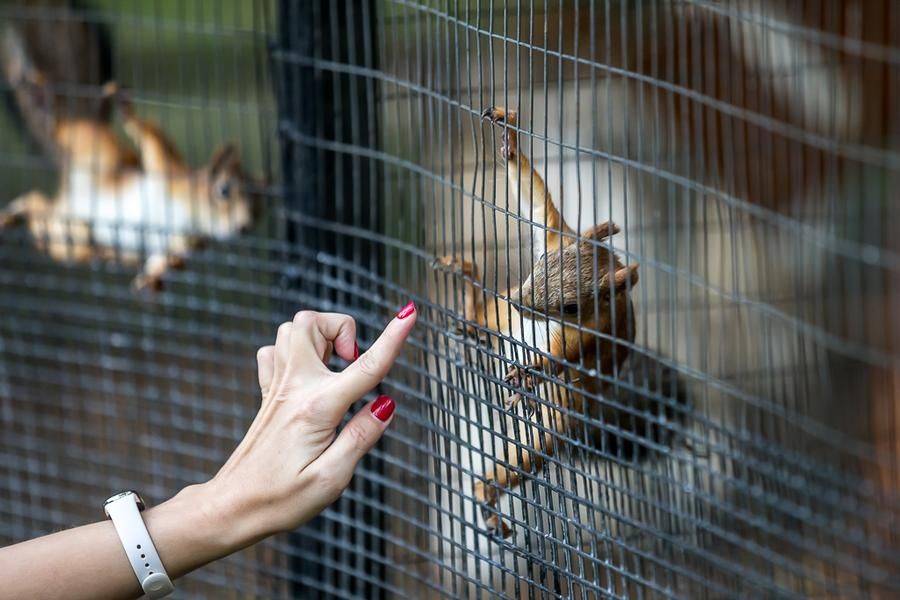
x=743 y=443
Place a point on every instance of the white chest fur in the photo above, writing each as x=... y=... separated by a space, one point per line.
x=532 y=333
x=140 y=212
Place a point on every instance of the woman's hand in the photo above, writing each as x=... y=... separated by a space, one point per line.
x=291 y=464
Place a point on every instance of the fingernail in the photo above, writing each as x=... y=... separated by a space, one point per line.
x=355 y=350
x=383 y=408
x=407 y=310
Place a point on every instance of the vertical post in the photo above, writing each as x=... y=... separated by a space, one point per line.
x=326 y=110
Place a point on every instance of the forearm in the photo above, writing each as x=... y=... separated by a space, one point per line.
x=189 y=530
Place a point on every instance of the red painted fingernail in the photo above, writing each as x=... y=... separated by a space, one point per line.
x=407 y=310
x=355 y=350
x=383 y=408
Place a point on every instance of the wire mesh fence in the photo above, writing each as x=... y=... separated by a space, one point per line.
x=652 y=244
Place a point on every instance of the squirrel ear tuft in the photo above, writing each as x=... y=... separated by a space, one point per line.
x=624 y=277
x=226 y=157
x=601 y=231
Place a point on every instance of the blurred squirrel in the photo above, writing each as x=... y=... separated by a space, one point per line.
x=113 y=201
x=573 y=303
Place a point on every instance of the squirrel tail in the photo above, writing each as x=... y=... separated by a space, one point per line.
x=30 y=88
x=50 y=68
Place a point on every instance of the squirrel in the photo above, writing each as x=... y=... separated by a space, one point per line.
x=570 y=308
x=114 y=202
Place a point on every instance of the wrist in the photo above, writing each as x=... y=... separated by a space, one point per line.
x=229 y=511
x=198 y=525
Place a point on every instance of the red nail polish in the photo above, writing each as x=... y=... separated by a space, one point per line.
x=383 y=408
x=355 y=350
x=407 y=310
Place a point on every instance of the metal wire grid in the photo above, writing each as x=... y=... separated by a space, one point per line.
x=101 y=389
x=761 y=487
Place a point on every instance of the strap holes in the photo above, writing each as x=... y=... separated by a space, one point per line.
x=138 y=546
x=146 y=564
x=142 y=556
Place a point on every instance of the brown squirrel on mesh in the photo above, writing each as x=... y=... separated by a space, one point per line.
x=113 y=201
x=570 y=308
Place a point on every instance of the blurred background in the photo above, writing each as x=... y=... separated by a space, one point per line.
x=749 y=151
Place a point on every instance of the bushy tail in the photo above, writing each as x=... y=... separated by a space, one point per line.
x=30 y=89
x=54 y=70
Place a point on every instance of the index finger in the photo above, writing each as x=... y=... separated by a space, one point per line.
x=312 y=332
x=373 y=364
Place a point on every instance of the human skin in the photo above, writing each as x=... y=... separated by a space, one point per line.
x=291 y=464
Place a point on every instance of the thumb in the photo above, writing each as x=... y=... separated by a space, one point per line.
x=373 y=365
x=265 y=358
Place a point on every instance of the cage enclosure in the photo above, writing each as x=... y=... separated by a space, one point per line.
x=653 y=246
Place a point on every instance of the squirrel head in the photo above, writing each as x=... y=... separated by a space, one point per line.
x=566 y=284
x=227 y=186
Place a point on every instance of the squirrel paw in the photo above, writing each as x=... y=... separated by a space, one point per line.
x=466 y=328
x=486 y=494
x=455 y=264
x=119 y=96
x=496 y=527
x=513 y=401
x=500 y=116
x=111 y=90
x=9 y=219
x=522 y=376
x=144 y=283
x=507 y=149
x=441 y=263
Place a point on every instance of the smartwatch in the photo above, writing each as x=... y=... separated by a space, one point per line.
x=124 y=509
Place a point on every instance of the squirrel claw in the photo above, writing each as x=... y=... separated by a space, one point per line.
x=514 y=400
x=512 y=376
x=520 y=377
x=502 y=116
x=530 y=407
x=507 y=151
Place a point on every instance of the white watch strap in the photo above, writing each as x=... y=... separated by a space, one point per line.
x=139 y=547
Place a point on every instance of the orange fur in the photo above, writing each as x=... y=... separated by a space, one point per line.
x=185 y=206
x=581 y=274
